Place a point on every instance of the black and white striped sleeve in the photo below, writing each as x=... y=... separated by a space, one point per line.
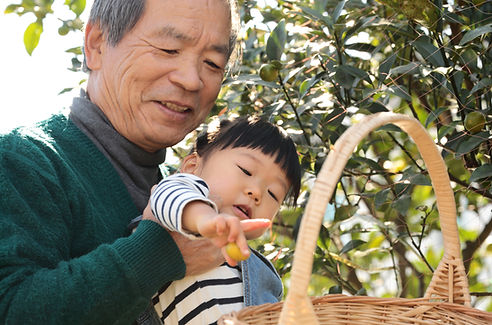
x=171 y=196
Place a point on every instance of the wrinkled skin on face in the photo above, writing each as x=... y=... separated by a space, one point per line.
x=162 y=79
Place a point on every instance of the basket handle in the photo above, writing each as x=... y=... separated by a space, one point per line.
x=449 y=282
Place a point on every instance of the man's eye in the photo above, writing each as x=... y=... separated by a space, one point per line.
x=273 y=195
x=244 y=170
x=213 y=65
x=170 y=51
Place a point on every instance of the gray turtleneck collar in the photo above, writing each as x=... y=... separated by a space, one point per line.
x=138 y=169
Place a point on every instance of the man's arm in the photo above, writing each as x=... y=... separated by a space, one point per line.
x=63 y=262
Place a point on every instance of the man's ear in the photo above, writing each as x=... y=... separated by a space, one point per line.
x=191 y=164
x=93 y=43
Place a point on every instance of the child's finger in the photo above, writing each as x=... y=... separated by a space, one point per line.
x=234 y=229
x=243 y=245
x=253 y=224
x=220 y=226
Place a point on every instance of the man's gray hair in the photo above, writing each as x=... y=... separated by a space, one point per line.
x=118 y=17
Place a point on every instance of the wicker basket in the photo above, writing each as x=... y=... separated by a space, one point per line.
x=447 y=298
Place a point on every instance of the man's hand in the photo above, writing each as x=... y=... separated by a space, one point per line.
x=199 y=255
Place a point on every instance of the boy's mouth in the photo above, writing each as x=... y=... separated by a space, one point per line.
x=244 y=210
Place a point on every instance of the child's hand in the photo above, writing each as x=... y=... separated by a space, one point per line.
x=223 y=229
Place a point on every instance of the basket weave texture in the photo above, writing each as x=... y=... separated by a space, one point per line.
x=447 y=298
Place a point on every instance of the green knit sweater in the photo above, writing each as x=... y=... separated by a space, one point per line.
x=66 y=255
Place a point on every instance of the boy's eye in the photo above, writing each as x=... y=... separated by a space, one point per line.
x=273 y=195
x=244 y=170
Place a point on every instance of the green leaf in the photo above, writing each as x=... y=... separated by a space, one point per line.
x=346 y=75
x=400 y=91
x=471 y=142
x=335 y=290
x=483 y=171
x=75 y=50
x=389 y=127
x=32 y=35
x=471 y=35
x=363 y=47
x=385 y=67
x=433 y=115
x=381 y=197
x=338 y=10
x=371 y=163
x=354 y=243
x=431 y=54
x=344 y=212
x=375 y=107
x=445 y=130
x=318 y=15
x=402 y=204
x=411 y=68
x=276 y=41
x=419 y=179
x=345 y=79
x=76 y=6
x=11 y=8
x=65 y=90
x=307 y=84
x=249 y=79
x=484 y=83
x=320 y=5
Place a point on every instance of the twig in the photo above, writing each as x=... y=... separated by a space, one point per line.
x=483 y=193
x=422 y=256
x=298 y=118
x=481 y=294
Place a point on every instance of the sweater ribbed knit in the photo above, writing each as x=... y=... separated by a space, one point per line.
x=66 y=255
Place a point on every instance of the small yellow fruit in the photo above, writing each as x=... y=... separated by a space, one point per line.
x=474 y=122
x=268 y=72
x=234 y=252
x=63 y=30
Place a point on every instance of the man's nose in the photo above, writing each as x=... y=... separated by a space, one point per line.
x=187 y=76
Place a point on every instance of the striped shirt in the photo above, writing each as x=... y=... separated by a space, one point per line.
x=203 y=298
x=171 y=196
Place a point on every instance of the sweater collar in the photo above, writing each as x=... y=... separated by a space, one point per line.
x=139 y=169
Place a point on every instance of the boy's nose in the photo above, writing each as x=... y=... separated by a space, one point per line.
x=254 y=195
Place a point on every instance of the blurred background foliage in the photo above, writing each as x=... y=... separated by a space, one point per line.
x=316 y=67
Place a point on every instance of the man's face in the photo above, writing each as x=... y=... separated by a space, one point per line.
x=162 y=79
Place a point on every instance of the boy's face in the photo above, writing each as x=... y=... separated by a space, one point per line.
x=243 y=182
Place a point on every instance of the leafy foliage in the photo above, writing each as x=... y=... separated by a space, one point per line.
x=345 y=59
x=339 y=61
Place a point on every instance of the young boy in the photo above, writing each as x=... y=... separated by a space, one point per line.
x=239 y=173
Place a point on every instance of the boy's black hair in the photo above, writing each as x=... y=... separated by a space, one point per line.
x=255 y=133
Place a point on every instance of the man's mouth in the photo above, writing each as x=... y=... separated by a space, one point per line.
x=176 y=107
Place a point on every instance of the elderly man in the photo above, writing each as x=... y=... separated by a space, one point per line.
x=71 y=185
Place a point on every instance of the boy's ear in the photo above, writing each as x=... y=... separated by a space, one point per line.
x=93 y=43
x=191 y=164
